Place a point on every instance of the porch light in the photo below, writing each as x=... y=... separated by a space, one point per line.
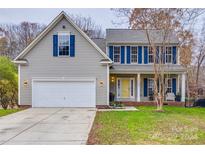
x=25 y=83
x=101 y=83
x=112 y=79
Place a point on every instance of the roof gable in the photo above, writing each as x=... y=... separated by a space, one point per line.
x=47 y=30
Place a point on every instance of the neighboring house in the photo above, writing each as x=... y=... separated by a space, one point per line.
x=199 y=90
x=63 y=67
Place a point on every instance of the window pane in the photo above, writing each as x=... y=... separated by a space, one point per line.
x=169 y=86
x=168 y=54
x=63 y=50
x=150 y=86
x=64 y=40
x=116 y=54
x=150 y=55
x=134 y=54
x=64 y=44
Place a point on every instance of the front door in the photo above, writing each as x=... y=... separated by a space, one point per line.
x=125 y=87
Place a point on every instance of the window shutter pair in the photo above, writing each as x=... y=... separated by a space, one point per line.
x=72 y=45
x=139 y=55
x=122 y=53
x=174 y=55
x=128 y=54
x=174 y=84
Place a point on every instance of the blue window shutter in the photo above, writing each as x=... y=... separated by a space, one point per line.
x=174 y=85
x=145 y=54
x=122 y=54
x=72 y=45
x=145 y=87
x=163 y=56
x=111 y=52
x=174 y=55
x=128 y=54
x=157 y=55
x=139 y=54
x=55 y=45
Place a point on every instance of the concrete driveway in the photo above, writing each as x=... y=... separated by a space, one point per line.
x=47 y=126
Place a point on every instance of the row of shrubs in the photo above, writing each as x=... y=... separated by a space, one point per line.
x=8 y=83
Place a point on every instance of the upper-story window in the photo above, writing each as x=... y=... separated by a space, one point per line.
x=151 y=55
x=63 y=44
x=134 y=51
x=168 y=55
x=116 y=54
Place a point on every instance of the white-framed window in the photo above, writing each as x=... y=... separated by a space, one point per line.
x=168 y=55
x=150 y=55
x=134 y=54
x=63 y=44
x=150 y=86
x=168 y=85
x=116 y=54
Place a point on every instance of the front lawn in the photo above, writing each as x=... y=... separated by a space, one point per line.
x=8 y=111
x=177 y=125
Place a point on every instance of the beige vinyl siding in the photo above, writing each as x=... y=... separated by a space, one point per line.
x=41 y=63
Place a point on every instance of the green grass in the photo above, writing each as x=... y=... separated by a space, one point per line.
x=8 y=111
x=177 y=125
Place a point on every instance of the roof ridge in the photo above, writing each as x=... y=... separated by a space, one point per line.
x=128 y=29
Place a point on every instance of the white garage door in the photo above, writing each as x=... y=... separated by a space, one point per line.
x=63 y=94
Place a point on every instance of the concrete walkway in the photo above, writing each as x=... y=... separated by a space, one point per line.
x=126 y=108
x=47 y=126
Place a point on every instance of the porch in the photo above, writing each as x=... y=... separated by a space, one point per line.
x=139 y=87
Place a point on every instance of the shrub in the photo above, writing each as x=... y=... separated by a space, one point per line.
x=8 y=83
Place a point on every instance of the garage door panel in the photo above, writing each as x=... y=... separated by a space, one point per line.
x=64 y=94
x=78 y=94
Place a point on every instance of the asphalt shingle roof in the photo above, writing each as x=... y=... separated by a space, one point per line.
x=136 y=36
x=101 y=43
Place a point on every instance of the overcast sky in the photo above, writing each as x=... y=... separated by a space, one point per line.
x=103 y=17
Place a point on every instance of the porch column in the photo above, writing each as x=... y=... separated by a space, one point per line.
x=178 y=83
x=183 y=87
x=138 y=87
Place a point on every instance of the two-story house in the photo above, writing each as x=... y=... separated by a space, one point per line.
x=63 y=67
x=132 y=71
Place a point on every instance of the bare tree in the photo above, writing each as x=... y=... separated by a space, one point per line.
x=167 y=22
x=199 y=57
x=88 y=26
x=17 y=37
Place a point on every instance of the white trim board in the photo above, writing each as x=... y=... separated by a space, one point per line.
x=19 y=84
